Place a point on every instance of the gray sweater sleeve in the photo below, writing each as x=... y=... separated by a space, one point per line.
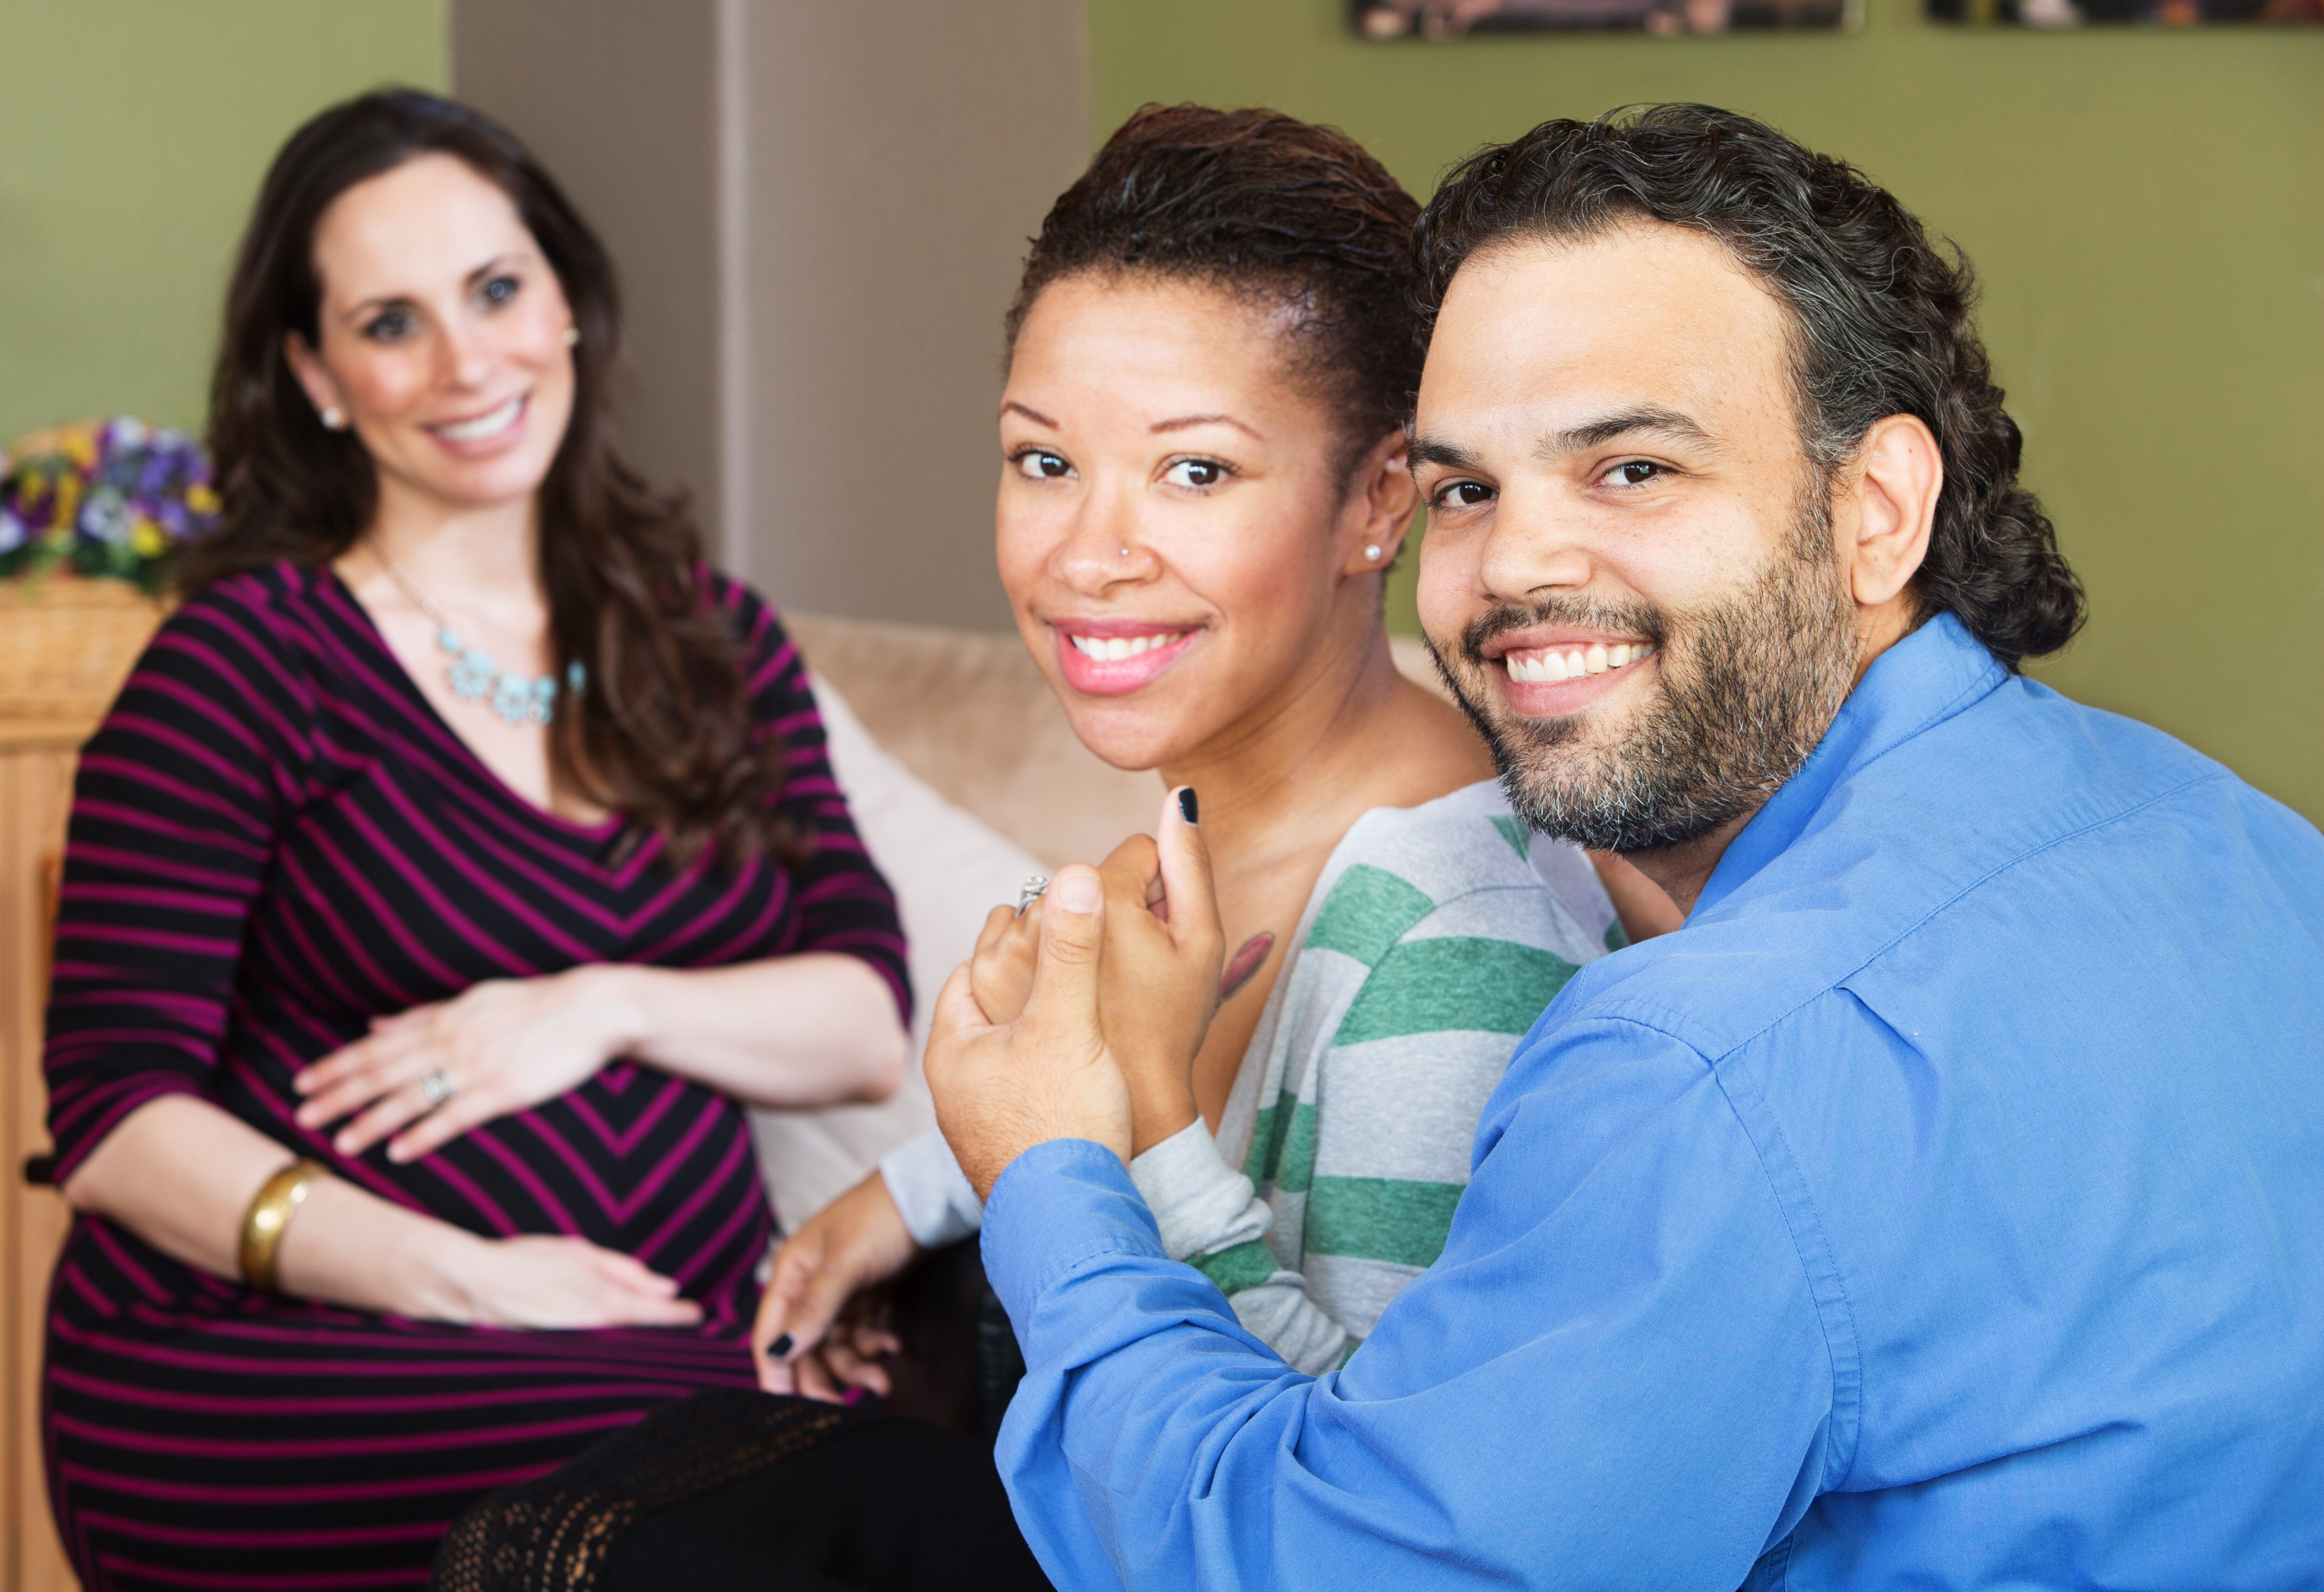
x=938 y=1203
x=1212 y=1219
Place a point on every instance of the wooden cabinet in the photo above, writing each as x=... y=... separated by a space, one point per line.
x=36 y=761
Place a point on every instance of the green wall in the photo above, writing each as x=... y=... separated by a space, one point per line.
x=2146 y=210
x=133 y=136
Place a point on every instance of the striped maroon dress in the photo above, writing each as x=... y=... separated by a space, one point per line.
x=275 y=838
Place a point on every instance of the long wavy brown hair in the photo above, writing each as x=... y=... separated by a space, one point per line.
x=663 y=734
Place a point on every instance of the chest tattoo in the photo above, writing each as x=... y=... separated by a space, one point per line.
x=1243 y=963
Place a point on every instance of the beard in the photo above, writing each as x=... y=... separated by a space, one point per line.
x=1747 y=685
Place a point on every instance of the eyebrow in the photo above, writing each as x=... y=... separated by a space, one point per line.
x=1668 y=424
x=1183 y=422
x=1034 y=415
x=1573 y=439
x=1428 y=450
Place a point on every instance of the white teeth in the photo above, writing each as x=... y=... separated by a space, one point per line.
x=1546 y=667
x=1114 y=648
x=486 y=425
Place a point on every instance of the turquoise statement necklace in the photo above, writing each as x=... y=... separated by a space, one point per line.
x=474 y=675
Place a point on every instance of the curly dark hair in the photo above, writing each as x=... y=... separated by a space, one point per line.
x=664 y=734
x=1269 y=209
x=1881 y=319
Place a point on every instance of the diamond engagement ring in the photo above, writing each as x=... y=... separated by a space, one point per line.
x=436 y=1087
x=1032 y=891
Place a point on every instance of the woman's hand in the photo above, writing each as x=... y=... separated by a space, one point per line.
x=545 y=1281
x=500 y=1046
x=1158 y=982
x=857 y=1241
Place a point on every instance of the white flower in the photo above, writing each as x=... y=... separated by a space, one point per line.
x=12 y=532
x=106 y=516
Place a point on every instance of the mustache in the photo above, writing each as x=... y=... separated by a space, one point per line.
x=1642 y=620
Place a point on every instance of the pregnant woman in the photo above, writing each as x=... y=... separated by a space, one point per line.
x=458 y=862
x=1204 y=482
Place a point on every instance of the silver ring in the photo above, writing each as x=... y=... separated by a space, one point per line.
x=1032 y=891
x=436 y=1087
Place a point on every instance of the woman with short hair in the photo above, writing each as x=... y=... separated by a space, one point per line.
x=457 y=864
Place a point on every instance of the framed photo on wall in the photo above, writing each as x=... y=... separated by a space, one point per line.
x=2168 y=13
x=1454 y=19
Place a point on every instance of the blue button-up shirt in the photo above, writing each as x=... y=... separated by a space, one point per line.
x=1943 y=1207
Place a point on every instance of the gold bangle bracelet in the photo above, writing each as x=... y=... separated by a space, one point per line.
x=268 y=1215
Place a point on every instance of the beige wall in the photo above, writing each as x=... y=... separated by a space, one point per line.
x=900 y=153
x=618 y=101
x=819 y=211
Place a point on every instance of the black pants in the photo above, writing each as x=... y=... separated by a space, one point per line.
x=889 y=1502
x=749 y=1490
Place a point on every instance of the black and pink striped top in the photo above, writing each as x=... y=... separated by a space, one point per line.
x=275 y=838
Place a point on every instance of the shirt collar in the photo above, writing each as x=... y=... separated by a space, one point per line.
x=1922 y=680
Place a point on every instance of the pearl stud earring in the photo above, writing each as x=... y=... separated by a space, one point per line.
x=573 y=337
x=332 y=418
x=1372 y=552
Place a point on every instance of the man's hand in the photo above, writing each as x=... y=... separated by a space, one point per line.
x=1159 y=979
x=1002 y=1088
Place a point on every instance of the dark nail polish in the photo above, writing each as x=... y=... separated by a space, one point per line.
x=781 y=1347
x=1187 y=808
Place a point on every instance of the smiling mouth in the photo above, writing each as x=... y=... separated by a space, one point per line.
x=486 y=426
x=1117 y=649
x=1548 y=665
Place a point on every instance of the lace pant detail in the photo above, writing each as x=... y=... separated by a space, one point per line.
x=561 y=1531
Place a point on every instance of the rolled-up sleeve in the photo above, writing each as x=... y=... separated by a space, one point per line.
x=1620 y=1372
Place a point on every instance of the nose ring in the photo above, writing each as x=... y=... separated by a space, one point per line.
x=1122 y=553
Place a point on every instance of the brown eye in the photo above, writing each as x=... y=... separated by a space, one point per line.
x=1040 y=465
x=1464 y=494
x=1637 y=473
x=1196 y=473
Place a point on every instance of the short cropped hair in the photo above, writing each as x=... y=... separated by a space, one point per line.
x=1880 y=317
x=1273 y=211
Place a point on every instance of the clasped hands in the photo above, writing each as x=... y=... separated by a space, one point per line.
x=1079 y=1017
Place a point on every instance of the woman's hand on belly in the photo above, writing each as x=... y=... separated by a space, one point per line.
x=545 y=1281
x=498 y=1048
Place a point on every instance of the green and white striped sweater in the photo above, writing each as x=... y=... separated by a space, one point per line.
x=1434 y=937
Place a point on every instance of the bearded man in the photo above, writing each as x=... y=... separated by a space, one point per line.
x=1941 y=1206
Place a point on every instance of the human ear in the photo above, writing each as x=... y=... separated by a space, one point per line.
x=1381 y=499
x=307 y=367
x=1900 y=472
